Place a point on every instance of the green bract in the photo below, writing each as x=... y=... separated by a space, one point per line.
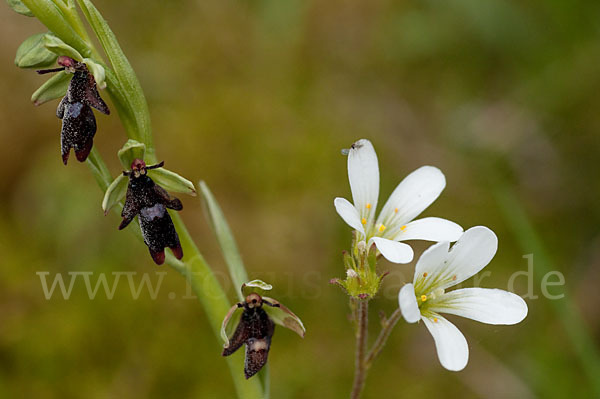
x=33 y=54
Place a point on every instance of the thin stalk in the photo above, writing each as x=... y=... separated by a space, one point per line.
x=360 y=374
x=384 y=334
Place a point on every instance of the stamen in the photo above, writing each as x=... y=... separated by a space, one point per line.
x=403 y=228
x=381 y=228
x=425 y=274
x=396 y=210
x=363 y=221
x=368 y=206
x=435 y=320
x=423 y=298
x=454 y=277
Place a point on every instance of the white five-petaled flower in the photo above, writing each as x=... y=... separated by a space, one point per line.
x=440 y=268
x=395 y=221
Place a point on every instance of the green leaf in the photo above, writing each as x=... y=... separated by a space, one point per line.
x=59 y=47
x=32 y=53
x=55 y=87
x=171 y=181
x=114 y=193
x=98 y=71
x=19 y=7
x=225 y=238
x=51 y=16
x=131 y=151
x=284 y=317
x=130 y=92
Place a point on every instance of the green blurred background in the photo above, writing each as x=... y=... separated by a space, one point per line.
x=257 y=98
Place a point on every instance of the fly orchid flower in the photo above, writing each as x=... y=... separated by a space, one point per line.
x=439 y=269
x=395 y=221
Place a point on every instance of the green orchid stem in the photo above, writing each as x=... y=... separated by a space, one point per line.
x=362 y=321
x=384 y=334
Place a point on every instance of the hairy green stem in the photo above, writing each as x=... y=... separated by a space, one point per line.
x=362 y=321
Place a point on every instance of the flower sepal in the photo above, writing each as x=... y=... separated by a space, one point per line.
x=362 y=280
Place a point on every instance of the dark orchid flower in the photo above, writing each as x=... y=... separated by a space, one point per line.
x=75 y=109
x=255 y=329
x=257 y=325
x=150 y=201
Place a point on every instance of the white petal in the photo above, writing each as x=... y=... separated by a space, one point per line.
x=430 y=229
x=363 y=173
x=349 y=213
x=430 y=262
x=491 y=306
x=408 y=304
x=471 y=253
x=450 y=343
x=393 y=251
x=415 y=193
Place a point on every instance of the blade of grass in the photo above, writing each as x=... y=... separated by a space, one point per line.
x=226 y=240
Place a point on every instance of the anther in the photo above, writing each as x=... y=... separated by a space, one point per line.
x=368 y=206
x=381 y=228
x=425 y=274
x=363 y=221
x=423 y=298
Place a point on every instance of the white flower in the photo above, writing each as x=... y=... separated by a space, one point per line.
x=440 y=268
x=415 y=193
